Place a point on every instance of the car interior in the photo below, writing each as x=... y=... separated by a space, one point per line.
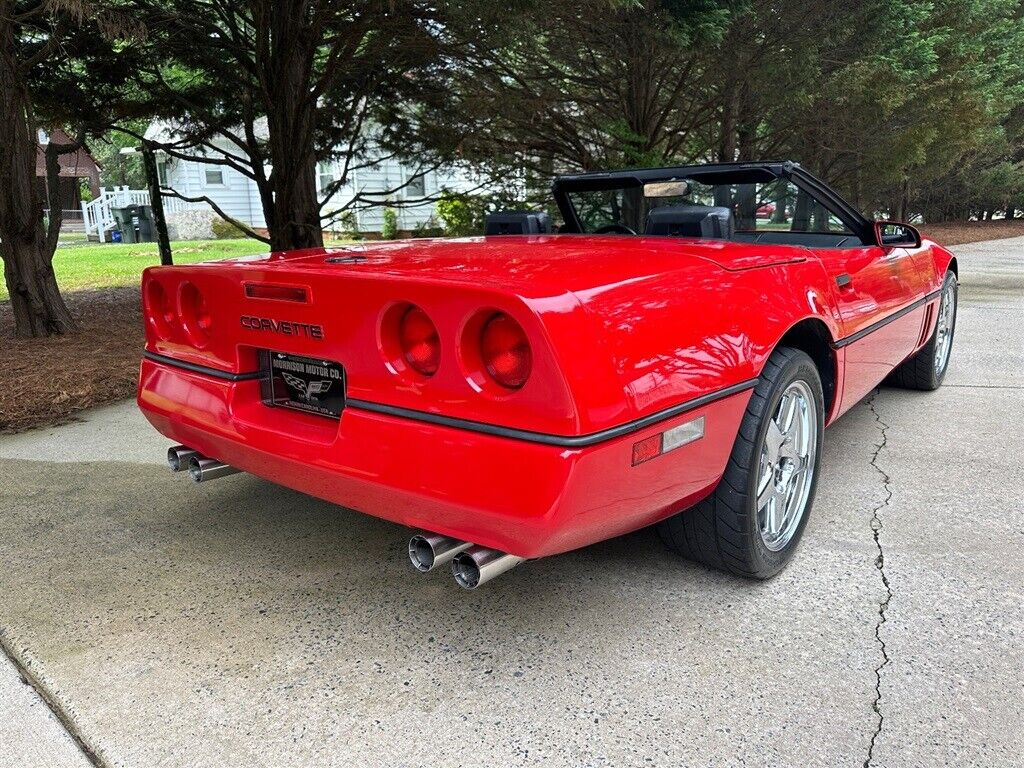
x=748 y=205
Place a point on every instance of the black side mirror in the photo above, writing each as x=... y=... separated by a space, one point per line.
x=892 y=234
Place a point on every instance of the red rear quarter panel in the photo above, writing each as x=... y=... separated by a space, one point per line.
x=680 y=334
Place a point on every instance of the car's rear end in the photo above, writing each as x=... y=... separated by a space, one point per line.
x=424 y=392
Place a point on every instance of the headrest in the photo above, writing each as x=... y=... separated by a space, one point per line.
x=691 y=221
x=517 y=223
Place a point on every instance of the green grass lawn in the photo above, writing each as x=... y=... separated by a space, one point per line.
x=106 y=265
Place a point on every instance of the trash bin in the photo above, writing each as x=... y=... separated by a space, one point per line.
x=136 y=223
x=125 y=225
x=143 y=217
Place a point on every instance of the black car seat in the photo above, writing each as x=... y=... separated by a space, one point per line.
x=517 y=223
x=691 y=221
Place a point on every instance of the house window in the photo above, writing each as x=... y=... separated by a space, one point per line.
x=327 y=174
x=214 y=177
x=161 y=171
x=417 y=186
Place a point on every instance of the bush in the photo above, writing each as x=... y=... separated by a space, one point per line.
x=348 y=226
x=461 y=214
x=389 y=227
x=428 y=228
x=225 y=230
x=465 y=214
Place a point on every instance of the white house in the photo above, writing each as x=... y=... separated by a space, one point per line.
x=238 y=197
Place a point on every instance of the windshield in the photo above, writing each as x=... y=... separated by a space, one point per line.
x=776 y=205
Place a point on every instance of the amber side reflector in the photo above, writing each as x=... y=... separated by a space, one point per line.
x=279 y=292
x=646 y=449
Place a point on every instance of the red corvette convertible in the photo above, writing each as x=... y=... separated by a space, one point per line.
x=668 y=357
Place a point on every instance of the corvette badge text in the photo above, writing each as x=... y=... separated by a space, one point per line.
x=285 y=327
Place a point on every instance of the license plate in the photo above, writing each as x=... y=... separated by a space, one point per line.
x=303 y=383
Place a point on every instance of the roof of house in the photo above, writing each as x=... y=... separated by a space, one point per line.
x=80 y=164
x=168 y=132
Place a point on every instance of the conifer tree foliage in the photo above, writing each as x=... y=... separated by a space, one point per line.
x=884 y=98
x=273 y=87
x=62 y=66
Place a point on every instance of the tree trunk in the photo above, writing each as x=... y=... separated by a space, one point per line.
x=746 y=207
x=904 y=210
x=781 y=204
x=727 y=138
x=802 y=212
x=291 y=121
x=156 y=200
x=36 y=302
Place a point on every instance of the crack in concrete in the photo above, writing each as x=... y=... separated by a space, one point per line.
x=29 y=679
x=883 y=606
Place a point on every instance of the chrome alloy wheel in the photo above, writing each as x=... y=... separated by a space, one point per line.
x=944 y=326
x=786 y=471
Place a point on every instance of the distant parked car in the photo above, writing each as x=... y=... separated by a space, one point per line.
x=765 y=211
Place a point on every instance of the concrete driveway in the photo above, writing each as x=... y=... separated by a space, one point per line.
x=241 y=624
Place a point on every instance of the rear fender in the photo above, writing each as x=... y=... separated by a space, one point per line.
x=673 y=337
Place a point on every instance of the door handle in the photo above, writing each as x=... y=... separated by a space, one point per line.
x=844 y=280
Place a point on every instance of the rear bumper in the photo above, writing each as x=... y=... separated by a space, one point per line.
x=521 y=497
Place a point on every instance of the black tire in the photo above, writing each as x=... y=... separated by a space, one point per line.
x=920 y=370
x=723 y=531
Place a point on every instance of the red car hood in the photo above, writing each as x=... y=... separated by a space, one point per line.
x=533 y=266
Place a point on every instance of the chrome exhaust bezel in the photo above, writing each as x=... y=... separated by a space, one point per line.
x=428 y=551
x=201 y=469
x=178 y=457
x=479 y=565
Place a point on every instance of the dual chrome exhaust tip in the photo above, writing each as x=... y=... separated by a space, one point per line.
x=181 y=458
x=472 y=565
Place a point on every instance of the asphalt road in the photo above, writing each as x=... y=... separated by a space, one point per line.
x=241 y=624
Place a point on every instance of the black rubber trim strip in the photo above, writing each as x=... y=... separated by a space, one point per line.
x=885 y=320
x=215 y=373
x=574 y=441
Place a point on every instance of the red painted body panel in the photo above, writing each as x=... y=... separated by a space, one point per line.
x=620 y=328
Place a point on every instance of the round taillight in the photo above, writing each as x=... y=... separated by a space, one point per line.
x=505 y=351
x=421 y=346
x=160 y=309
x=195 y=314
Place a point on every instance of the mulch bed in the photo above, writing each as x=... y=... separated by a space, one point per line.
x=958 y=233
x=45 y=381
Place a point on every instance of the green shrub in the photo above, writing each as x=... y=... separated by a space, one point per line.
x=428 y=228
x=461 y=214
x=389 y=227
x=225 y=230
x=348 y=225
